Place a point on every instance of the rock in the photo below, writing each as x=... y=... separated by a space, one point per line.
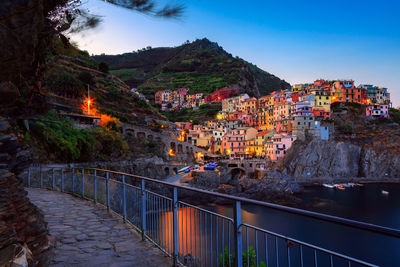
x=81 y=237
x=332 y=160
x=8 y=93
x=23 y=231
x=68 y=241
x=103 y=245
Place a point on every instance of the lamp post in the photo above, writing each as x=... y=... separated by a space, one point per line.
x=88 y=101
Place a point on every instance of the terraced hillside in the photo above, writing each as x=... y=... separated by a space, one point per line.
x=202 y=66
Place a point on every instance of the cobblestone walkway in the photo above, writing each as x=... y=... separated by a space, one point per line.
x=87 y=235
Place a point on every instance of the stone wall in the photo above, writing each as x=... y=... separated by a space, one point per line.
x=24 y=237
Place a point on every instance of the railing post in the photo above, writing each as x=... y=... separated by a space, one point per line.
x=52 y=179
x=29 y=176
x=83 y=183
x=73 y=180
x=108 y=190
x=41 y=176
x=124 y=197
x=95 y=187
x=143 y=210
x=175 y=226
x=238 y=234
x=62 y=179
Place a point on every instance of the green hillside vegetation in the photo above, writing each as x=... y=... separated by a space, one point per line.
x=204 y=112
x=66 y=83
x=202 y=66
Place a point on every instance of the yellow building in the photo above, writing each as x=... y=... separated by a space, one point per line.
x=299 y=87
x=323 y=99
x=266 y=118
x=260 y=141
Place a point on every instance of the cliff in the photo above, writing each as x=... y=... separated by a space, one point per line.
x=361 y=148
x=23 y=232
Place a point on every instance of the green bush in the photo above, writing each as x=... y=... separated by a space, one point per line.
x=64 y=83
x=114 y=94
x=395 y=114
x=346 y=129
x=226 y=259
x=103 y=67
x=60 y=137
x=86 y=77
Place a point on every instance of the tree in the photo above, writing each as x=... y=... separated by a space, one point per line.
x=86 y=77
x=29 y=32
x=103 y=67
x=65 y=84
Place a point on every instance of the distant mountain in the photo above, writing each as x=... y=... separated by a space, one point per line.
x=202 y=66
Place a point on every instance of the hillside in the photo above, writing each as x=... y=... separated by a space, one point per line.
x=202 y=66
x=66 y=82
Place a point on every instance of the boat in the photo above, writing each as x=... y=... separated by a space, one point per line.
x=385 y=192
x=186 y=169
x=339 y=186
x=328 y=185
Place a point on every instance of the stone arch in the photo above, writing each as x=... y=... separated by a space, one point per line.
x=150 y=137
x=191 y=149
x=141 y=135
x=236 y=173
x=187 y=149
x=166 y=171
x=173 y=146
x=180 y=148
x=130 y=132
x=175 y=170
x=242 y=165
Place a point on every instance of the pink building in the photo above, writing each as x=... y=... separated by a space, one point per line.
x=234 y=143
x=377 y=111
x=281 y=143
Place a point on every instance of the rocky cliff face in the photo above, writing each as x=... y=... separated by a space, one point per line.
x=24 y=237
x=343 y=159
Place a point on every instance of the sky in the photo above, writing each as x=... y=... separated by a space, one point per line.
x=297 y=40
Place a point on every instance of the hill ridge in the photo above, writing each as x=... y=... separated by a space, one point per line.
x=202 y=66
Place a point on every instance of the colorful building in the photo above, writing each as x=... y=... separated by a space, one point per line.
x=377 y=111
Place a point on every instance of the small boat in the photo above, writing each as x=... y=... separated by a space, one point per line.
x=186 y=169
x=328 y=185
x=339 y=186
x=385 y=192
x=348 y=185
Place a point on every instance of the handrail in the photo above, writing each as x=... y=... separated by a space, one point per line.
x=324 y=217
x=148 y=220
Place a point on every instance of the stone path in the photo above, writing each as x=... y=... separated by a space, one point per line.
x=87 y=235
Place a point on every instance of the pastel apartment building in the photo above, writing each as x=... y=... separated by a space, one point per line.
x=377 y=111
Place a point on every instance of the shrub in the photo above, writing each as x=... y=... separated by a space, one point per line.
x=103 y=67
x=60 y=137
x=346 y=129
x=86 y=77
x=114 y=94
x=66 y=84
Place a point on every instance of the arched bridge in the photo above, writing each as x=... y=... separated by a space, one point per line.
x=165 y=137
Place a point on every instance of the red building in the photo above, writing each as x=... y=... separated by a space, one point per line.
x=221 y=94
x=158 y=96
x=295 y=97
x=321 y=114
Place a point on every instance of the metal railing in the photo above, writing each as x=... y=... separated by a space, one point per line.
x=191 y=235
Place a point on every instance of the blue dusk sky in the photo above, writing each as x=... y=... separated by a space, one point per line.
x=297 y=40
